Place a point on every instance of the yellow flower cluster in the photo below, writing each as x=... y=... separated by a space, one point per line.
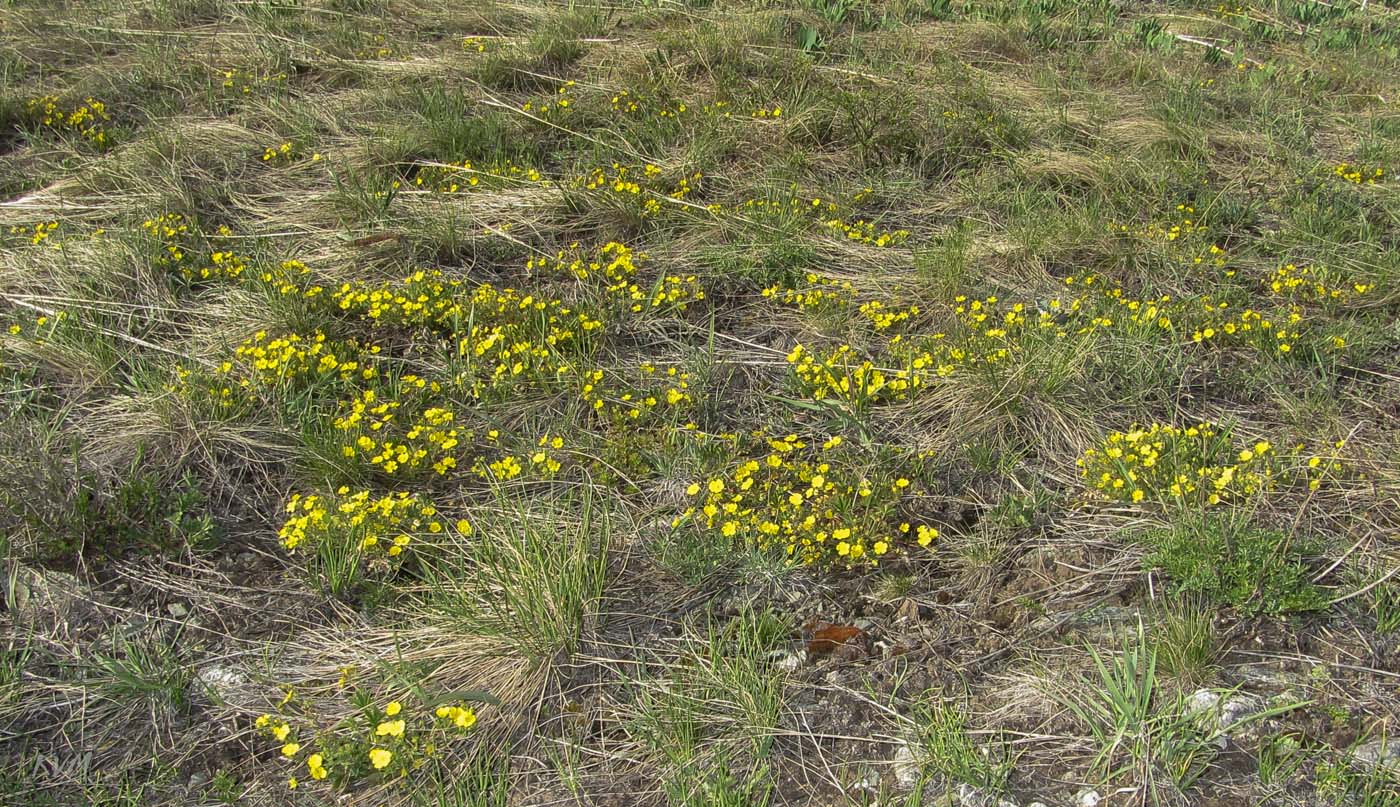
x=841 y=375
x=173 y=233
x=377 y=529
x=289 y=278
x=988 y=332
x=1358 y=174
x=513 y=336
x=183 y=248
x=1314 y=283
x=765 y=112
x=285 y=363
x=218 y=388
x=400 y=446
x=625 y=102
x=820 y=294
x=462 y=717
x=827 y=214
x=826 y=294
x=424 y=299
x=542 y=462
x=43 y=329
x=37 y=234
x=632 y=183
x=379 y=50
x=516 y=340
x=222 y=265
x=474 y=44
x=553 y=106
x=466 y=176
x=408 y=430
x=866 y=232
x=653 y=391
x=615 y=269
x=87 y=120
x=1183 y=224
x=615 y=263
x=366 y=746
x=1319 y=468
x=238 y=81
x=1219 y=323
x=884 y=317
x=293 y=361
x=1163 y=463
x=285 y=153
x=814 y=504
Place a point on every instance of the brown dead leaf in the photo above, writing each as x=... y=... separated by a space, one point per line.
x=821 y=638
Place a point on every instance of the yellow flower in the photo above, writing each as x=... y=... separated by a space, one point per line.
x=926 y=535
x=693 y=489
x=281 y=731
x=315 y=765
x=393 y=728
x=716 y=486
x=380 y=758
x=292 y=783
x=290 y=749
x=465 y=718
x=393 y=708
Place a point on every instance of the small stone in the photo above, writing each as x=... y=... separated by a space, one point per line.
x=1037 y=804
x=869 y=782
x=1239 y=708
x=908 y=611
x=222 y=682
x=1202 y=701
x=41 y=595
x=177 y=610
x=1088 y=798
x=789 y=662
x=969 y=796
x=905 y=767
x=1384 y=753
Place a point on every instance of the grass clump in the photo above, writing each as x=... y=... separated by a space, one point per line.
x=1232 y=560
x=953 y=753
x=530 y=577
x=1141 y=731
